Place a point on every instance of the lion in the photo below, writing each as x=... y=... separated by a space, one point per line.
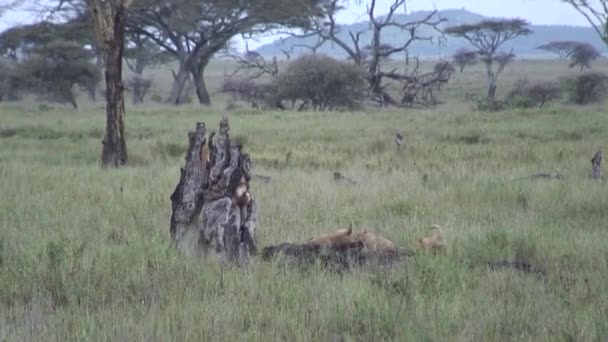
x=433 y=241
x=339 y=238
x=375 y=243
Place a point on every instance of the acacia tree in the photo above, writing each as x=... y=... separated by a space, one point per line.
x=579 y=53
x=192 y=31
x=487 y=37
x=371 y=54
x=109 y=22
x=596 y=13
x=464 y=58
x=49 y=59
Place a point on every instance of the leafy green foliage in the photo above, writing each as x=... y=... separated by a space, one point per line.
x=51 y=59
x=52 y=70
x=322 y=83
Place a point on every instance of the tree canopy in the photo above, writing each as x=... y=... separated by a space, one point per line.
x=487 y=36
x=193 y=31
x=50 y=59
x=596 y=13
x=580 y=54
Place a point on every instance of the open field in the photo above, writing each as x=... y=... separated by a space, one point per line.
x=85 y=253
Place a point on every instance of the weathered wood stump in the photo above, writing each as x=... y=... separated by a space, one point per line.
x=596 y=166
x=212 y=206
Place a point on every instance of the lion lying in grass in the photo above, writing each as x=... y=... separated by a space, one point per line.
x=345 y=237
x=343 y=249
x=373 y=242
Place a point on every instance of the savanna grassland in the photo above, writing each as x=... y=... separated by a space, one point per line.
x=85 y=253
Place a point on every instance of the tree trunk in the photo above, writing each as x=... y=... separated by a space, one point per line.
x=492 y=91
x=139 y=88
x=91 y=91
x=178 y=89
x=491 y=80
x=199 y=83
x=109 y=25
x=138 y=95
x=212 y=206
x=596 y=166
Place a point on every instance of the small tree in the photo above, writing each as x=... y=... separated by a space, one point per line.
x=464 y=58
x=579 y=53
x=582 y=55
x=528 y=94
x=321 y=83
x=487 y=37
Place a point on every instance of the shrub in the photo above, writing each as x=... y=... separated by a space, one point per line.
x=321 y=83
x=526 y=94
x=586 y=88
x=486 y=104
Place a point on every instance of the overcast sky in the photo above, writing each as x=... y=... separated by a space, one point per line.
x=540 y=12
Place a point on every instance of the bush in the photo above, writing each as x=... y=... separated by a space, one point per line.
x=586 y=88
x=526 y=94
x=486 y=104
x=321 y=83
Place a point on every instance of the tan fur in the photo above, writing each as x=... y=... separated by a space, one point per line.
x=338 y=238
x=375 y=243
x=434 y=241
x=241 y=196
x=205 y=154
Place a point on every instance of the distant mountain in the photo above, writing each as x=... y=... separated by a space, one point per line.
x=522 y=46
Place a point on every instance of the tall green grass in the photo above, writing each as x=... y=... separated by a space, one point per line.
x=85 y=252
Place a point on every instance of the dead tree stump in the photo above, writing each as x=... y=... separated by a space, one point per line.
x=596 y=166
x=212 y=206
